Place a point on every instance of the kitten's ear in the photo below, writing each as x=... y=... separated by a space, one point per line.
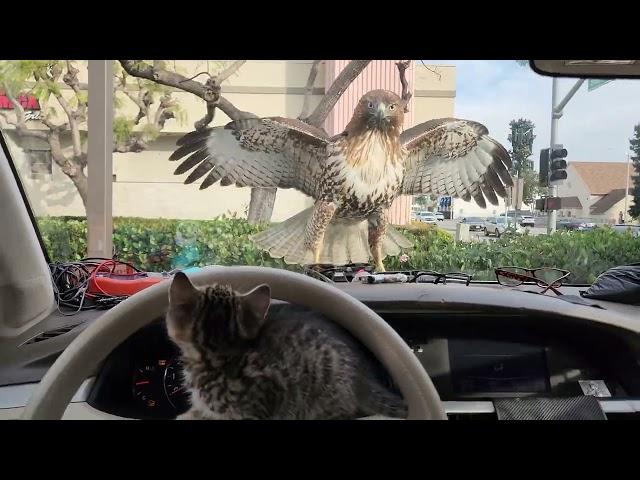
x=255 y=307
x=183 y=296
x=182 y=291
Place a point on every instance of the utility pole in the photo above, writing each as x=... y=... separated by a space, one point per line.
x=556 y=113
x=626 y=189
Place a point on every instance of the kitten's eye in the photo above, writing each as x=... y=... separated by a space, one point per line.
x=370 y=104
x=392 y=107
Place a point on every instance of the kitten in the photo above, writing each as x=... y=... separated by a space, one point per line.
x=240 y=363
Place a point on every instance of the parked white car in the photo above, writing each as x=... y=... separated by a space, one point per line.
x=427 y=217
x=527 y=221
x=498 y=225
x=440 y=216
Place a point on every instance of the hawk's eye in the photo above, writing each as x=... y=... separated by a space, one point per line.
x=392 y=107
x=370 y=104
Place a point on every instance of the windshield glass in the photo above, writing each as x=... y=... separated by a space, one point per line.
x=264 y=192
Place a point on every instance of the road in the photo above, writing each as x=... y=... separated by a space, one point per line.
x=450 y=226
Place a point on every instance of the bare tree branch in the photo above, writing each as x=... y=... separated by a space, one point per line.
x=71 y=79
x=135 y=145
x=406 y=94
x=208 y=118
x=230 y=70
x=313 y=73
x=335 y=91
x=134 y=98
x=209 y=91
x=435 y=72
x=78 y=115
x=140 y=69
x=73 y=125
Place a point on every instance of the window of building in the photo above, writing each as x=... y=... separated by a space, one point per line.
x=40 y=165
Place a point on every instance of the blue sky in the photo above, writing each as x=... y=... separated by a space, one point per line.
x=596 y=126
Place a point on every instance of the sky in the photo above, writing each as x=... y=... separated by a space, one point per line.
x=596 y=125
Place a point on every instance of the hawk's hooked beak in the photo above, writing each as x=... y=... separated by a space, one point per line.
x=381 y=114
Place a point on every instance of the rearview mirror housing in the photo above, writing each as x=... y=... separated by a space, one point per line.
x=587 y=68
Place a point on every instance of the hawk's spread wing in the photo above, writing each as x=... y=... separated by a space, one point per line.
x=455 y=157
x=256 y=152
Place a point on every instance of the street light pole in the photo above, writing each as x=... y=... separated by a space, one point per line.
x=556 y=113
x=553 y=189
x=626 y=189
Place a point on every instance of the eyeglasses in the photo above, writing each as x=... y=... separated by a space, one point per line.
x=544 y=277
x=428 y=276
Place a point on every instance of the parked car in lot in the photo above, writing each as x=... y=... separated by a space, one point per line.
x=427 y=217
x=440 y=216
x=527 y=221
x=625 y=227
x=498 y=225
x=524 y=218
x=475 y=223
x=575 y=224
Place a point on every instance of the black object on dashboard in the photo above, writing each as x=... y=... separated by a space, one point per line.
x=618 y=284
x=572 y=408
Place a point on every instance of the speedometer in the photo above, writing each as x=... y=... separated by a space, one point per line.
x=174 y=387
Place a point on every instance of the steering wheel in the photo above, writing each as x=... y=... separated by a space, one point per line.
x=81 y=358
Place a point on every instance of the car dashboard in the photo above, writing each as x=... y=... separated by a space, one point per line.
x=471 y=358
x=478 y=344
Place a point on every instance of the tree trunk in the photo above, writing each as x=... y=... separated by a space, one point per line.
x=80 y=181
x=261 y=205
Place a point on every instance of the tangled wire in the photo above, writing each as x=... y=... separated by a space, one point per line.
x=72 y=282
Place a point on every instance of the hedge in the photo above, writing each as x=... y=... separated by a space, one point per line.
x=162 y=245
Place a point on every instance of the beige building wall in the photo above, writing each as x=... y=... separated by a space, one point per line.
x=574 y=186
x=144 y=184
x=434 y=95
x=611 y=216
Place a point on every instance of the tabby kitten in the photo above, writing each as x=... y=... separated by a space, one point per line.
x=240 y=363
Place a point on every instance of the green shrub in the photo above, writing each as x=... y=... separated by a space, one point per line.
x=161 y=245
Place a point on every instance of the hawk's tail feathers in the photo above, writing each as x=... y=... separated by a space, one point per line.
x=345 y=241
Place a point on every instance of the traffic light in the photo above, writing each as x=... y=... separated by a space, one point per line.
x=544 y=167
x=558 y=164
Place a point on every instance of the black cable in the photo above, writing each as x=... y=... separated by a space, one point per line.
x=70 y=282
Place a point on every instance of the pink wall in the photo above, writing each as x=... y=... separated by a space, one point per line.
x=378 y=74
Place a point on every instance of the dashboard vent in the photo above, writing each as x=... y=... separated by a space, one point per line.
x=49 y=334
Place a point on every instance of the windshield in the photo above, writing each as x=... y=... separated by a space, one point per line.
x=264 y=193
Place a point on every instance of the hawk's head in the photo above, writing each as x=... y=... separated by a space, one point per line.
x=380 y=110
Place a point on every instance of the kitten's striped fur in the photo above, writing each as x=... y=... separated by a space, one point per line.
x=240 y=363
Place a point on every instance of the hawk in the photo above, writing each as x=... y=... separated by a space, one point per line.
x=353 y=177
